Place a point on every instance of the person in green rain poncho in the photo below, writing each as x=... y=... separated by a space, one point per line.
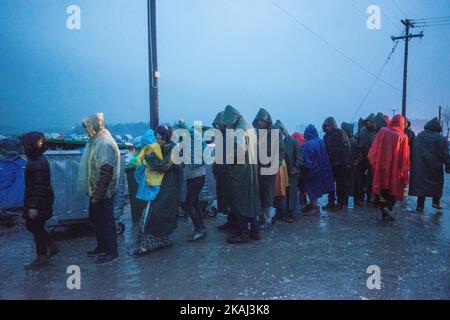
x=429 y=156
x=242 y=178
x=221 y=177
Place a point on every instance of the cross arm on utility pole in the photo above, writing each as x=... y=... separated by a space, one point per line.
x=410 y=36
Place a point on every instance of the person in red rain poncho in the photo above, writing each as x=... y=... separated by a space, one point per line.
x=389 y=157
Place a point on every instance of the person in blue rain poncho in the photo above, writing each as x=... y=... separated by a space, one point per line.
x=317 y=172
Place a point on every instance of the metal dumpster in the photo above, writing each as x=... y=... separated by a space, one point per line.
x=71 y=206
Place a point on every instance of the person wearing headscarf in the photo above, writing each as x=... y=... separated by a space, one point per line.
x=339 y=152
x=221 y=177
x=157 y=230
x=264 y=125
x=39 y=197
x=99 y=177
x=389 y=158
x=317 y=172
x=430 y=156
x=242 y=180
x=293 y=159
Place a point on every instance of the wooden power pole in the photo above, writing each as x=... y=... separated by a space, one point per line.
x=408 y=25
x=153 y=64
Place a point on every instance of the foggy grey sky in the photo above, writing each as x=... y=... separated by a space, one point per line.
x=246 y=53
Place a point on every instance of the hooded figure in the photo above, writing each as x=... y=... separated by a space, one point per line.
x=98 y=176
x=161 y=214
x=38 y=199
x=99 y=170
x=389 y=157
x=363 y=180
x=356 y=158
x=242 y=180
x=411 y=134
x=317 y=173
x=380 y=121
x=220 y=175
x=263 y=121
x=293 y=158
x=339 y=152
x=429 y=155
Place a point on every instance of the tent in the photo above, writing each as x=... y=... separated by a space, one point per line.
x=12 y=181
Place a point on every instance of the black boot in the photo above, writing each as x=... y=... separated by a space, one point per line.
x=52 y=248
x=254 y=233
x=242 y=237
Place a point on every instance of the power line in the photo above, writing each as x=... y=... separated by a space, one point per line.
x=340 y=52
x=425 y=25
x=433 y=18
x=374 y=82
x=399 y=9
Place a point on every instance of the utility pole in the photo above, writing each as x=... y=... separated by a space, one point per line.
x=408 y=25
x=153 y=64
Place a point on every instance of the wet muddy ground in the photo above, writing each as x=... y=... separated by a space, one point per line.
x=322 y=257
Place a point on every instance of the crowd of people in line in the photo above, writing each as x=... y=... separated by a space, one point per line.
x=374 y=166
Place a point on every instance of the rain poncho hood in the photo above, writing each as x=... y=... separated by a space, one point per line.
x=311 y=133
x=100 y=150
x=263 y=114
x=280 y=126
x=380 y=121
x=348 y=128
x=433 y=125
x=369 y=118
x=398 y=123
x=148 y=138
x=331 y=122
x=218 y=121
x=233 y=119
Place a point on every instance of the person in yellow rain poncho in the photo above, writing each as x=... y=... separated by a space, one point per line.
x=98 y=176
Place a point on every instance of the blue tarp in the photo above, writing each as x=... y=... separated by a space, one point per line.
x=12 y=183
